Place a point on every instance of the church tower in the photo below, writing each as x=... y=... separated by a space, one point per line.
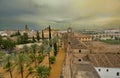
x=69 y=30
x=26 y=28
x=70 y=33
x=69 y=39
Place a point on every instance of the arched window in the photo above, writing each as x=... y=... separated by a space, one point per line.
x=68 y=42
x=79 y=51
x=107 y=70
x=99 y=70
x=79 y=60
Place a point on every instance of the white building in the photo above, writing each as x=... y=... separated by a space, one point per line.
x=113 y=31
x=108 y=72
x=2 y=33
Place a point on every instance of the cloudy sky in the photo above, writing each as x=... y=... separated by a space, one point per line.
x=61 y=13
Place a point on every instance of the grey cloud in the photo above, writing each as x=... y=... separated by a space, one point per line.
x=57 y=12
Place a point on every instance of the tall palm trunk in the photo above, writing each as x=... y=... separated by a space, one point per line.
x=21 y=70
x=10 y=69
x=35 y=60
x=49 y=59
x=22 y=74
x=35 y=57
x=34 y=51
x=10 y=74
x=42 y=53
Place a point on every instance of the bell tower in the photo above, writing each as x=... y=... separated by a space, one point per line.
x=26 y=28
x=69 y=30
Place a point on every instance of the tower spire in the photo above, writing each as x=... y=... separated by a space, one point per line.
x=26 y=28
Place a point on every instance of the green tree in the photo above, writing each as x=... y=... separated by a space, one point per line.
x=55 y=49
x=18 y=33
x=1 y=54
x=45 y=42
x=55 y=41
x=38 y=36
x=19 y=40
x=50 y=35
x=52 y=59
x=31 y=56
x=41 y=49
x=57 y=36
x=25 y=36
x=1 y=57
x=25 y=49
x=1 y=41
x=21 y=61
x=30 y=71
x=33 y=39
x=42 y=71
x=22 y=39
x=15 y=34
x=40 y=58
x=49 y=32
x=8 y=44
x=48 y=50
x=9 y=64
x=42 y=35
x=34 y=48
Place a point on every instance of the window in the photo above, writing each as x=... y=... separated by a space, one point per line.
x=117 y=73
x=79 y=51
x=79 y=60
x=99 y=69
x=107 y=70
x=68 y=42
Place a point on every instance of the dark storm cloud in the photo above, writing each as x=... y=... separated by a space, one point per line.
x=60 y=12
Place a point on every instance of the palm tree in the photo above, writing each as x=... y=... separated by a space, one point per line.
x=1 y=54
x=21 y=60
x=41 y=49
x=40 y=58
x=45 y=42
x=42 y=71
x=9 y=63
x=30 y=71
x=48 y=50
x=25 y=49
x=34 y=48
x=55 y=39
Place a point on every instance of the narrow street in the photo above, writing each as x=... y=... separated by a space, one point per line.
x=66 y=67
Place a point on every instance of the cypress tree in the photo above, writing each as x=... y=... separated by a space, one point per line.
x=49 y=32
x=18 y=33
x=37 y=35
x=42 y=35
x=55 y=49
x=0 y=41
x=50 y=35
x=26 y=37
x=33 y=38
